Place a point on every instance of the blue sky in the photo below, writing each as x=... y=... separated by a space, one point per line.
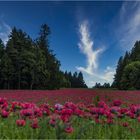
x=86 y=36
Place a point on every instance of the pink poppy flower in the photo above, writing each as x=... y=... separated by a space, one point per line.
x=34 y=123
x=125 y=124
x=117 y=102
x=4 y=114
x=69 y=129
x=20 y=122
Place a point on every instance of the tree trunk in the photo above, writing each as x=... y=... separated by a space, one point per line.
x=19 y=80
x=31 y=86
x=8 y=84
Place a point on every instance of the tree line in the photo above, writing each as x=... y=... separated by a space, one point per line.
x=31 y=64
x=128 y=70
x=99 y=85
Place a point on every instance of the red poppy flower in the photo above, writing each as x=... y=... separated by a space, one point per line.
x=20 y=122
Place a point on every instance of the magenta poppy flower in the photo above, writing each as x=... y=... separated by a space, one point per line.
x=79 y=112
x=2 y=101
x=69 y=129
x=138 y=119
x=102 y=104
x=109 y=121
x=125 y=124
x=117 y=102
x=4 y=114
x=52 y=122
x=20 y=122
x=34 y=123
x=26 y=112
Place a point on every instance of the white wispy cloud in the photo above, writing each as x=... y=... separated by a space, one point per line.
x=129 y=24
x=86 y=46
x=91 y=73
x=5 y=30
x=106 y=75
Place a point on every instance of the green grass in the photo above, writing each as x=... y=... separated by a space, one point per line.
x=83 y=129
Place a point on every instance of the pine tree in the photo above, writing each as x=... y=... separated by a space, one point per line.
x=81 y=82
x=124 y=71
x=28 y=64
x=20 y=50
x=118 y=74
x=6 y=71
x=1 y=55
x=135 y=53
x=1 y=48
x=52 y=64
x=131 y=76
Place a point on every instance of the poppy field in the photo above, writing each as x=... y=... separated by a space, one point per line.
x=69 y=114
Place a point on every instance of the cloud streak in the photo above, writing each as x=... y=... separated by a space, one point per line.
x=129 y=24
x=5 y=30
x=86 y=46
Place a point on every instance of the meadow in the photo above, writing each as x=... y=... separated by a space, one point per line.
x=69 y=114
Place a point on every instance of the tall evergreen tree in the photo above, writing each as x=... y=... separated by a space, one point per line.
x=1 y=48
x=135 y=53
x=52 y=64
x=28 y=64
x=81 y=80
x=118 y=74
x=131 y=76
x=124 y=71
x=1 y=61
x=6 y=71
x=19 y=47
x=76 y=80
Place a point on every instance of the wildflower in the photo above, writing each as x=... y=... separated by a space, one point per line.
x=102 y=104
x=34 y=124
x=4 y=114
x=101 y=111
x=79 y=112
x=114 y=109
x=125 y=124
x=109 y=121
x=65 y=118
x=26 y=112
x=117 y=103
x=70 y=105
x=132 y=115
x=2 y=101
x=123 y=110
x=138 y=119
x=109 y=115
x=52 y=122
x=69 y=129
x=120 y=115
x=15 y=105
x=97 y=120
x=87 y=115
x=58 y=107
x=37 y=112
x=66 y=114
x=20 y=122
x=93 y=110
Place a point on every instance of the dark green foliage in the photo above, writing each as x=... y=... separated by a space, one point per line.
x=1 y=48
x=76 y=80
x=131 y=76
x=28 y=64
x=6 y=71
x=105 y=85
x=127 y=71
